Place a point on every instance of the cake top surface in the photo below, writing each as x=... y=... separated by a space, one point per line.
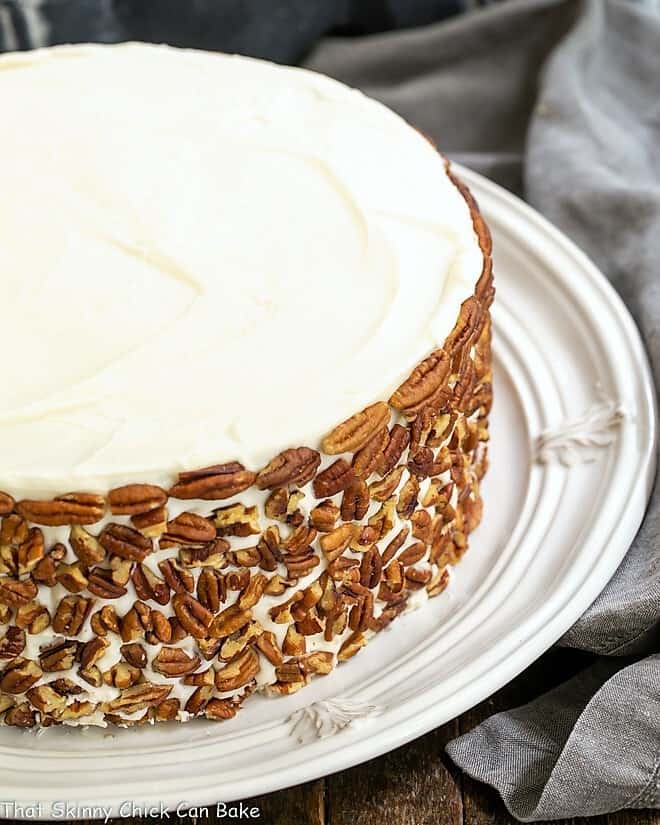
x=206 y=258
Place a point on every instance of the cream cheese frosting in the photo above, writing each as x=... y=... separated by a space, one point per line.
x=206 y=258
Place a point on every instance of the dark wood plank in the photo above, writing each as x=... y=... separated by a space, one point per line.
x=414 y=785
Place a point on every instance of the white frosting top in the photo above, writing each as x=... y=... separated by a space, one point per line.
x=206 y=258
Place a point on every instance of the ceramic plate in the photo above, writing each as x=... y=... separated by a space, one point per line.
x=573 y=445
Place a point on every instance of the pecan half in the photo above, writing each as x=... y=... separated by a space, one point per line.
x=71 y=614
x=356 y=431
x=217 y=482
x=180 y=581
x=399 y=439
x=385 y=488
x=124 y=541
x=135 y=499
x=17 y=593
x=367 y=459
x=138 y=698
x=333 y=479
x=73 y=508
x=297 y=465
x=188 y=528
x=194 y=617
x=355 y=501
x=334 y=543
x=371 y=568
x=211 y=589
x=408 y=497
x=424 y=383
x=175 y=662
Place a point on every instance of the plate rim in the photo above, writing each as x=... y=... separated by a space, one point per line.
x=322 y=760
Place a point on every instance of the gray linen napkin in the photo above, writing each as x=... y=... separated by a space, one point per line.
x=560 y=101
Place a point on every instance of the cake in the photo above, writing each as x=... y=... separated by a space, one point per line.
x=246 y=380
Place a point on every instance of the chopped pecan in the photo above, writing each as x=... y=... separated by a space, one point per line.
x=138 y=698
x=237 y=520
x=424 y=385
x=333 y=479
x=124 y=541
x=30 y=551
x=386 y=487
x=137 y=623
x=105 y=621
x=44 y=572
x=46 y=700
x=297 y=465
x=135 y=499
x=213 y=554
x=89 y=655
x=294 y=643
x=101 y=584
x=355 y=501
x=438 y=583
x=122 y=675
x=162 y=629
x=73 y=508
x=13 y=643
x=290 y=672
x=408 y=497
x=399 y=438
x=231 y=619
x=134 y=654
x=301 y=563
x=367 y=460
x=71 y=577
x=151 y=524
x=344 y=570
x=351 y=646
x=220 y=709
x=13 y=530
x=267 y=644
x=168 y=710
x=59 y=656
x=193 y=616
x=277 y=504
x=420 y=463
x=253 y=592
x=318 y=663
x=198 y=700
x=19 y=676
x=149 y=586
x=188 y=528
x=217 y=482
x=21 y=716
x=237 y=642
x=175 y=662
x=180 y=581
x=324 y=516
x=86 y=546
x=7 y=504
x=421 y=525
x=17 y=593
x=34 y=617
x=239 y=672
x=416 y=579
x=356 y=431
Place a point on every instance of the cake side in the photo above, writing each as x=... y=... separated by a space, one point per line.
x=150 y=604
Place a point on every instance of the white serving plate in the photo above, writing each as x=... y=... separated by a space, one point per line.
x=568 y=359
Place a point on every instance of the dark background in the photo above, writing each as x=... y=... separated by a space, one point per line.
x=279 y=30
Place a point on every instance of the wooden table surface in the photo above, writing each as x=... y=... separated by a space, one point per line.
x=415 y=784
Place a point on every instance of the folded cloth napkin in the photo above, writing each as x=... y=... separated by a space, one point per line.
x=560 y=101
